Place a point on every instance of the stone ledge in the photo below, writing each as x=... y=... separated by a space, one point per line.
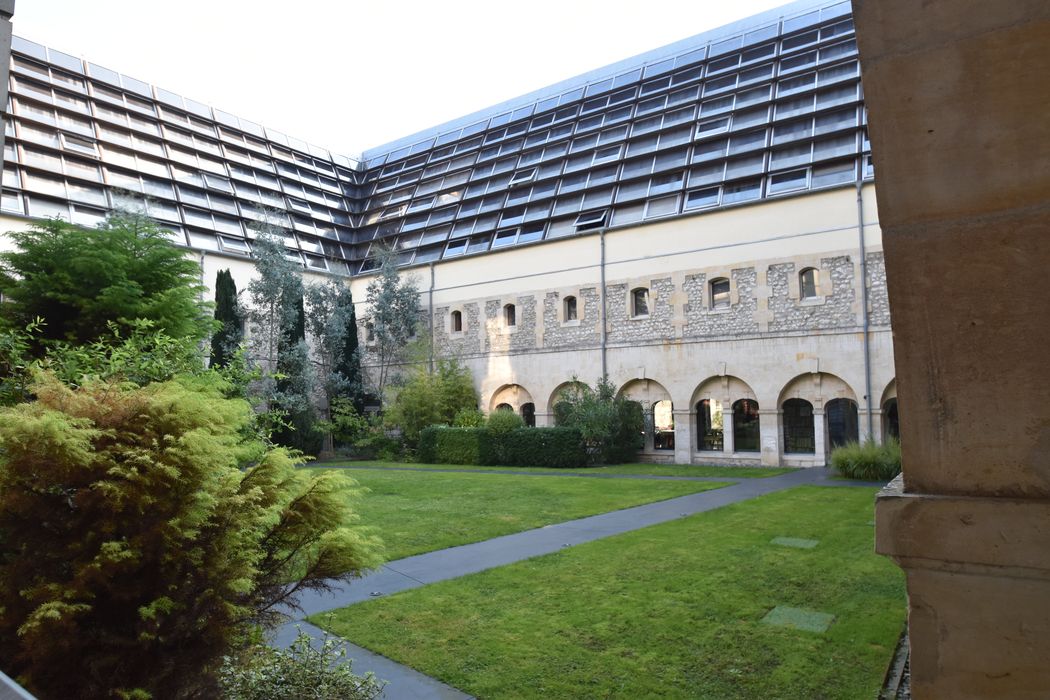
x=963 y=533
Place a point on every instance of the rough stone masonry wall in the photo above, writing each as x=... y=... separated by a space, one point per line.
x=878 y=299
x=739 y=318
x=586 y=332
x=655 y=326
x=458 y=344
x=499 y=338
x=792 y=314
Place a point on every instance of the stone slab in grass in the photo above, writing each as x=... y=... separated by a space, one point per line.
x=797 y=542
x=799 y=619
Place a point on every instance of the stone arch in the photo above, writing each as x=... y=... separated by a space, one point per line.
x=711 y=410
x=558 y=391
x=890 y=392
x=889 y=409
x=658 y=408
x=514 y=395
x=803 y=423
x=817 y=388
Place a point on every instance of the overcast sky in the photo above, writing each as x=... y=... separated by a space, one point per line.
x=351 y=75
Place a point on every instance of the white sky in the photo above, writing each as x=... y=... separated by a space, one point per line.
x=350 y=75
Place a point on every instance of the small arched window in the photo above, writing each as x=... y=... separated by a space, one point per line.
x=510 y=315
x=639 y=302
x=720 y=293
x=808 y=281
x=457 y=321
x=570 y=308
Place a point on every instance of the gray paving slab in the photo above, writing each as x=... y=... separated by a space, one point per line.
x=413 y=572
x=524 y=472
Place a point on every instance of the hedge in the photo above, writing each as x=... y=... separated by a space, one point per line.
x=524 y=447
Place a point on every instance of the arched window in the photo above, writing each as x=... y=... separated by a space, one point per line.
x=808 y=281
x=504 y=407
x=570 y=308
x=798 y=427
x=745 y=426
x=709 y=425
x=639 y=302
x=890 y=420
x=510 y=316
x=663 y=425
x=720 y=293
x=457 y=321
x=842 y=422
x=528 y=414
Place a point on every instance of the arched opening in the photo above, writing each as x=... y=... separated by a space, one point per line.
x=720 y=293
x=663 y=425
x=808 y=283
x=510 y=315
x=798 y=427
x=505 y=407
x=457 y=321
x=570 y=309
x=891 y=425
x=709 y=426
x=745 y=426
x=639 y=302
x=842 y=422
x=528 y=414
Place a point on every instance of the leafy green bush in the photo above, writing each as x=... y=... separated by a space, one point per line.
x=868 y=461
x=426 y=448
x=303 y=671
x=468 y=418
x=612 y=426
x=431 y=398
x=504 y=421
x=464 y=446
x=543 y=447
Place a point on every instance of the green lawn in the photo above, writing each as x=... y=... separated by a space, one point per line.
x=672 y=610
x=417 y=512
x=640 y=468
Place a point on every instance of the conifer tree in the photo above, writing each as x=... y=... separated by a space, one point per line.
x=227 y=312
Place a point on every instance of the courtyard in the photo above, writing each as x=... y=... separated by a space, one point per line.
x=735 y=584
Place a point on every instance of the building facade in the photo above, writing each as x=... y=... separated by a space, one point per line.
x=697 y=223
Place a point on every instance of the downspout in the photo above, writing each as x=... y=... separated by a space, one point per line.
x=864 y=309
x=601 y=267
x=430 y=315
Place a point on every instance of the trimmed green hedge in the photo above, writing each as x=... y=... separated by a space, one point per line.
x=524 y=447
x=867 y=460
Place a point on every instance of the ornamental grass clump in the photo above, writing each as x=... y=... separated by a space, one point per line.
x=868 y=461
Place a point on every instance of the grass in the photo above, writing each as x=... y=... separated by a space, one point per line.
x=672 y=610
x=416 y=512
x=638 y=469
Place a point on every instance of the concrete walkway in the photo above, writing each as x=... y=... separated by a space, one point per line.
x=419 y=570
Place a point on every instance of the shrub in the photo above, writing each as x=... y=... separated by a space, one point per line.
x=263 y=673
x=432 y=398
x=868 y=461
x=468 y=418
x=543 y=447
x=464 y=446
x=426 y=448
x=144 y=528
x=612 y=426
x=504 y=421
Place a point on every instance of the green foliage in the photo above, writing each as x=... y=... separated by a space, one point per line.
x=80 y=280
x=612 y=426
x=543 y=447
x=143 y=528
x=228 y=336
x=502 y=422
x=393 y=313
x=432 y=398
x=468 y=418
x=332 y=325
x=514 y=446
x=264 y=673
x=15 y=345
x=868 y=461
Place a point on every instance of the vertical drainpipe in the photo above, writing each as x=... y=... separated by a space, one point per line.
x=430 y=315
x=601 y=265
x=864 y=309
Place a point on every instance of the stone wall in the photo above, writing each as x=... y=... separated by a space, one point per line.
x=584 y=332
x=833 y=310
x=738 y=319
x=656 y=325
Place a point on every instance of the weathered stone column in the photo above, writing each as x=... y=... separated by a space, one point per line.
x=544 y=420
x=769 y=436
x=820 y=431
x=683 y=437
x=862 y=425
x=727 y=432
x=957 y=96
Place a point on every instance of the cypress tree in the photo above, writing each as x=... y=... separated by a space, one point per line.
x=348 y=364
x=230 y=333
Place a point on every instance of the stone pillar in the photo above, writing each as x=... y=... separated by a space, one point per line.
x=769 y=436
x=956 y=99
x=876 y=426
x=544 y=420
x=862 y=425
x=727 y=432
x=683 y=437
x=820 y=443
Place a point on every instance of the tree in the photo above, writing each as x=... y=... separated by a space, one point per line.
x=432 y=398
x=230 y=333
x=144 y=529
x=393 y=312
x=294 y=392
x=612 y=426
x=332 y=325
x=78 y=280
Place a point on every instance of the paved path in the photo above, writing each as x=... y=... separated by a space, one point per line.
x=419 y=570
